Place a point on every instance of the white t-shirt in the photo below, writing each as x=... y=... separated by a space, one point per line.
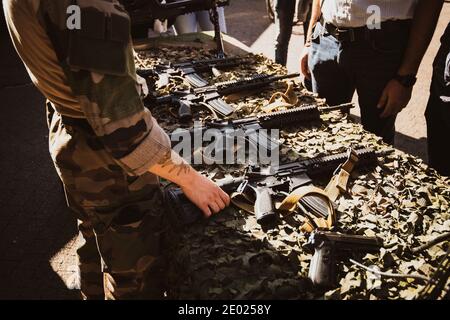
x=358 y=13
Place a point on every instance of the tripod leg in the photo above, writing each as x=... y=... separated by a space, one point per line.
x=214 y=16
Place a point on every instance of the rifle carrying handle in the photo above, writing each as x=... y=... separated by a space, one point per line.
x=184 y=111
x=264 y=208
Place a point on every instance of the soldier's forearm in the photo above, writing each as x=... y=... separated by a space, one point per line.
x=423 y=26
x=174 y=168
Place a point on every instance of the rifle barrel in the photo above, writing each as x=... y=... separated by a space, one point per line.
x=344 y=106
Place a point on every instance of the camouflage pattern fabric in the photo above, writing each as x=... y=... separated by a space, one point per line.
x=122 y=218
x=103 y=153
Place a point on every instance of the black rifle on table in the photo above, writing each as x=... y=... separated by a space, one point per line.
x=267 y=182
x=250 y=127
x=211 y=96
x=189 y=70
x=329 y=248
x=144 y=12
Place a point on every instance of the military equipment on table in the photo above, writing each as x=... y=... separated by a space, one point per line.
x=248 y=126
x=329 y=248
x=144 y=12
x=267 y=182
x=211 y=96
x=190 y=70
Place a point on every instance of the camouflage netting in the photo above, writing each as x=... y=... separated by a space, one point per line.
x=231 y=257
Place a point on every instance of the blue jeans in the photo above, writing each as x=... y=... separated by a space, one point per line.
x=339 y=68
x=438 y=110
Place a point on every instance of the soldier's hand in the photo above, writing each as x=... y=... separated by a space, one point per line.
x=206 y=195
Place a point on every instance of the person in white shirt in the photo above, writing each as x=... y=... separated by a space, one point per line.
x=373 y=47
x=199 y=21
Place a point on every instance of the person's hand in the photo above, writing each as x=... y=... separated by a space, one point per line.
x=395 y=97
x=206 y=195
x=304 y=68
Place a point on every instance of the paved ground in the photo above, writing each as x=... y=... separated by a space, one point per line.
x=37 y=234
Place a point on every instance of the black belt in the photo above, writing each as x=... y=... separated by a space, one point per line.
x=364 y=33
x=346 y=34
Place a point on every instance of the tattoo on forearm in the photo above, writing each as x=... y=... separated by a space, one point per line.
x=175 y=168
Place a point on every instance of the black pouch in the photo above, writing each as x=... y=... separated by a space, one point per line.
x=102 y=43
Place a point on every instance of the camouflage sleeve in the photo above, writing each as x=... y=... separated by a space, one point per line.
x=113 y=107
x=100 y=70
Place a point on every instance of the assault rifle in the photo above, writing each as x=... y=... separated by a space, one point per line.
x=211 y=96
x=144 y=12
x=190 y=70
x=329 y=248
x=266 y=182
x=248 y=126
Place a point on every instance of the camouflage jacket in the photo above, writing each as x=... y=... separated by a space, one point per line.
x=85 y=68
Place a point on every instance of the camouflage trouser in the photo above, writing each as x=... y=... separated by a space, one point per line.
x=121 y=218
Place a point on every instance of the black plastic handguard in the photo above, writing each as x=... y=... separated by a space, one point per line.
x=183 y=211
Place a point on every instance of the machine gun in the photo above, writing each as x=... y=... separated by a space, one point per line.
x=250 y=125
x=211 y=96
x=329 y=248
x=190 y=70
x=266 y=182
x=146 y=11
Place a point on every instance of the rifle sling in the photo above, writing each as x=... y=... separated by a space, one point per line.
x=338 y=183
x=288 y=99
x=289 y=205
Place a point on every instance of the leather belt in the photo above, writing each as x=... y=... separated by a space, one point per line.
x=363 y=33
x=346 y=34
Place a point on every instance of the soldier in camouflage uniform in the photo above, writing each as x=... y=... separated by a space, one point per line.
x=107 y=148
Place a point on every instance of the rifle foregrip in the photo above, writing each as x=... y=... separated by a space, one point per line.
x=264 y=208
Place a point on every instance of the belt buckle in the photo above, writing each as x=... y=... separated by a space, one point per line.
x=341 y=32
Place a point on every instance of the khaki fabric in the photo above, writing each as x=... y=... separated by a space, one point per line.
x=102 y=141
x=70 y=67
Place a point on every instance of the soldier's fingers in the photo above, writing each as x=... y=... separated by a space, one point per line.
x=214 y=207
x=220 y=203
x=206 y=211
x=225 y=197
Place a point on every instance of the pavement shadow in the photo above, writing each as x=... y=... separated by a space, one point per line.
x=34 y=220
x=250 y=21
x=413 y=146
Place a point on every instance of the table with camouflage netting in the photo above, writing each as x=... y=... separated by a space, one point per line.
x=230 y=256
